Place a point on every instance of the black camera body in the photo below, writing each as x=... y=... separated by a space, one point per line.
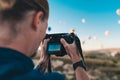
x=54 y=46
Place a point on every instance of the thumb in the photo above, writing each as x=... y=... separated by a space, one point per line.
x=46 y=41
x=66 y=46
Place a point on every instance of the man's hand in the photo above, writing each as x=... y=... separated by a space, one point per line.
x=44 y=58
x=71 y=50
x=74 y=54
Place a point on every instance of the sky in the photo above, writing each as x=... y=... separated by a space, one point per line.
x=90 y=19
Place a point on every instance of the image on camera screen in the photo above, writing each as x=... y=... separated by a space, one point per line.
x=54 y=47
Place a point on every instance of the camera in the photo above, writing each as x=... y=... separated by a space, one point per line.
x=54 y=46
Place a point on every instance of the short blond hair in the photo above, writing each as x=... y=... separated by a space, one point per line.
x=15 y=9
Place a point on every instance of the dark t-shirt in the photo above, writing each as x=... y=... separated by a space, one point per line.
x=16 y=66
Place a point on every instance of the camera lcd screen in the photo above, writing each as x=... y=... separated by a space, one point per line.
x=54 y=47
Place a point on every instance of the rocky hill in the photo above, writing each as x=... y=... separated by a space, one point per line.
x=109 y=50
x=100 y=65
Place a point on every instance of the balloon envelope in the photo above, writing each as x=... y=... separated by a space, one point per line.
x=83 y=42
x=89 y=37
x=96 y=38
x=107 y=33
x=49 y=28
x=118 y=12
x=72 y=30
x=118 y=21
x=83 y=20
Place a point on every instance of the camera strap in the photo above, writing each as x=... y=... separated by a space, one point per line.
x=49 y=64
x=78 y=44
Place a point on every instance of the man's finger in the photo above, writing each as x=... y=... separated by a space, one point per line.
x=64 y=42
x=74 y=43
x=46 y=41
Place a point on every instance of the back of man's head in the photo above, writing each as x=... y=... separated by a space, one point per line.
x=14 y=10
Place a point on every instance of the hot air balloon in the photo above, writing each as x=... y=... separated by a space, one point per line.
x=101 y=46
x=49 y=28
x=83 y=42
x=72 y=30
x=96 y=38
x=89 y=37
x=118 y=12
x=83 y=20
x=118 y=21
x=107 y=33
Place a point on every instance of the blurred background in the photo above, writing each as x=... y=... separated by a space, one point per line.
x=97 y=24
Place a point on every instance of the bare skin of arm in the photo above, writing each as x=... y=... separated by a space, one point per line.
x=72 y=51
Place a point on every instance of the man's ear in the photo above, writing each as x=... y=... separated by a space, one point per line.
x=37 y=20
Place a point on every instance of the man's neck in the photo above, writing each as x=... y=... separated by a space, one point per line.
x=19 y=44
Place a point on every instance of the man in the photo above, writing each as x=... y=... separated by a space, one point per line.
x=23 y=26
